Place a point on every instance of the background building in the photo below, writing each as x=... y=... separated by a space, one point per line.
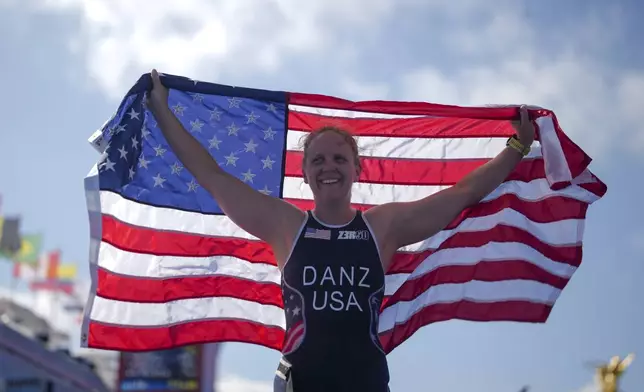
x=33 y=356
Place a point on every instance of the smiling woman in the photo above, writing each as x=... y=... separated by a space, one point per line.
x=331 y=185
x=333 y=257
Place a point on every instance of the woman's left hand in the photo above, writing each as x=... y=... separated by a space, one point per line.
x=524 y=127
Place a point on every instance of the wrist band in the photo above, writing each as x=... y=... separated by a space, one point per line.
x=513 y=142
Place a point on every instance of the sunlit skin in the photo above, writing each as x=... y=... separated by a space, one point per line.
x=330 y=170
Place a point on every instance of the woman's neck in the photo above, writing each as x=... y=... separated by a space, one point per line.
x=334 y=214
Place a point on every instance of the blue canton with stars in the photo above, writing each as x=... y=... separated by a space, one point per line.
x=243 y=129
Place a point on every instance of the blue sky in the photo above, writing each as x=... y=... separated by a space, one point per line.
x=66 y=64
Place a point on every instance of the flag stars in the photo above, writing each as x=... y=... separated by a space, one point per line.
x=251 y=146
x=269 y=134
x=176 y=168
x=196 y=125
x=234 y=102
x=231 y=159
x=131 y=173
x=145 y=133
x=192 y=186
x=123 y=152
x=215 y=114
x=248 y=176
x=158 y=180
x=196 y=97
x=233 y=130
x=159 y=150
x=135 y=143
x=108 y=165
x=119 y=129
x=214 y=143
x=178 y=109
x=267 y=192
x=133 y=114
x=271 y=108
x=268 y=163
x=251 y=118
x=143 y=162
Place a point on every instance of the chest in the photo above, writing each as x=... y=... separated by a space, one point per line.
x=347 y=260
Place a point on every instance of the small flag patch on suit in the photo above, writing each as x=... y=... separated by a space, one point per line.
x=317 y=234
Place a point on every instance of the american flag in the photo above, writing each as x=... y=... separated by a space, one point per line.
x=169 y=268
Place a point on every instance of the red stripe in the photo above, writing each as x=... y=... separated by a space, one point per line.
x=171 y=243
x=122 y=338
x=421 y=172
x=598 y=188
x=411 y=108
x=399 y=171
x=486 y=271
x=293 y=336
x=518 y=311
x=138 y=289
x=407 y=262
x=422 y=127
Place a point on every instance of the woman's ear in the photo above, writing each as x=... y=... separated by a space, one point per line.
x=306 y=181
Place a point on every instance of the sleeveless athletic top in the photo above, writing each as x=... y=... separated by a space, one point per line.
x=333 y=285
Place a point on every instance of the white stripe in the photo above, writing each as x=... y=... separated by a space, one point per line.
x=556 y=165
x=493 y=251
x=349 y=113
x=565 y=232
x=186 y=310
x=295 y=188
x=421 y=148
x=126 y=263
x=364 y=114
x=114 y=312
x=477 y=291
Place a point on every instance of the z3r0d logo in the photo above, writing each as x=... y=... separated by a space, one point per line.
x=353 y=235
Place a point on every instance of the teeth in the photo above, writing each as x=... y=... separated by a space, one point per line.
x=329 y=181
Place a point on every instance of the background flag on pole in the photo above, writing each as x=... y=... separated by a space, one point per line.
x=29 y=253
x=10 y=239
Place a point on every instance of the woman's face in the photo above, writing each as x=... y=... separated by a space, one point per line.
x=330 y=168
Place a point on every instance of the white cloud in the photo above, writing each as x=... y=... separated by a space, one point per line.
x=233 y=383
x=202 y=37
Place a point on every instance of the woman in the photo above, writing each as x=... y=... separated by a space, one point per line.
x=333 y=258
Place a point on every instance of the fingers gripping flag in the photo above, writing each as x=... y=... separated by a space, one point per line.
x=169 y=268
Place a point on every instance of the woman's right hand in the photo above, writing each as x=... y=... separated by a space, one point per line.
x=158 y=97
